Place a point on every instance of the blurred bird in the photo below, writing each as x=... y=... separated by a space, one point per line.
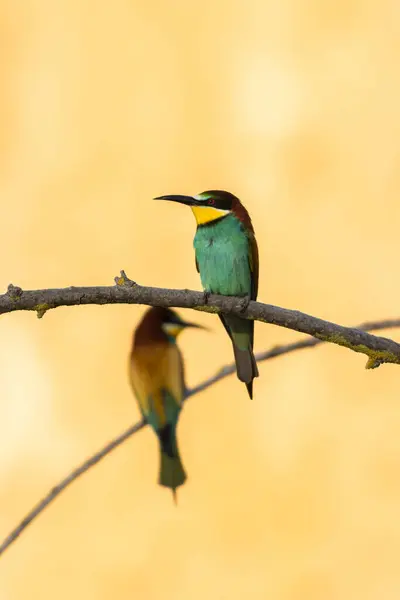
x=227 y=259
x=158 y=381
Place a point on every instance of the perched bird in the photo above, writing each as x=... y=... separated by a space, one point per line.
x=158 y=381
x=227 y=259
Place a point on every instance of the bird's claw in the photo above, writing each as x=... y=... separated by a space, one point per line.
x=206 y=296
x=244 y=304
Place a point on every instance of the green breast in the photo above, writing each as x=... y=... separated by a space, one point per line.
x=222 y=253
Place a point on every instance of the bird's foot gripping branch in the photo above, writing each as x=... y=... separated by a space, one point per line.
x=378 y=349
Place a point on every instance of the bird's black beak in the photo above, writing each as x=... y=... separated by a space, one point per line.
x=194 y=325
x=188 y=200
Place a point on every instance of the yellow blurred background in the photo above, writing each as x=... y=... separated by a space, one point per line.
x=293 y=106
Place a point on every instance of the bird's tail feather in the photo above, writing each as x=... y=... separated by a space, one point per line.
x=172 y=473
x=241 y=333
x=246 y=367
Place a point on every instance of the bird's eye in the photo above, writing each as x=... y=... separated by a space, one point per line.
x=211 y=201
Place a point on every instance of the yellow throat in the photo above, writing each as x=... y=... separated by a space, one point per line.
x=172 y=329
x=206 y=214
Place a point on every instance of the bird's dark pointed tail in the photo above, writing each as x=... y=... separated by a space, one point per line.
x=246 y=367
x=172 y=473
x=241 y=333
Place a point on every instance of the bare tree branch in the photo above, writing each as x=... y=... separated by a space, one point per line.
x=221 y=374
x=379 y=350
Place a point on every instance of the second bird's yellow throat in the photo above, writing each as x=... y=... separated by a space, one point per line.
x=206 y=214
x=172 y=329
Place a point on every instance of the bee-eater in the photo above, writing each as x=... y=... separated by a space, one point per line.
x=227 y=259
x=158 y=381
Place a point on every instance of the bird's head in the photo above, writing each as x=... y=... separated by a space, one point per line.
x=209 y=206
x=172 y=324
x=159 y=322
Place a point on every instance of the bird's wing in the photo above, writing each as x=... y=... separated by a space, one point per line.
x=253 y=262
x=157 y=379
x=153 y=371
x=224 y=323
x=174 y=374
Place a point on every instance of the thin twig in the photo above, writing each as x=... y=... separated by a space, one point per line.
x=221 y=374
x=55 y=491
x=379 y=350
x=285 y=349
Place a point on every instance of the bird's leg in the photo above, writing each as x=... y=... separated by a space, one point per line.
x=245 y=301
x=206 y=295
